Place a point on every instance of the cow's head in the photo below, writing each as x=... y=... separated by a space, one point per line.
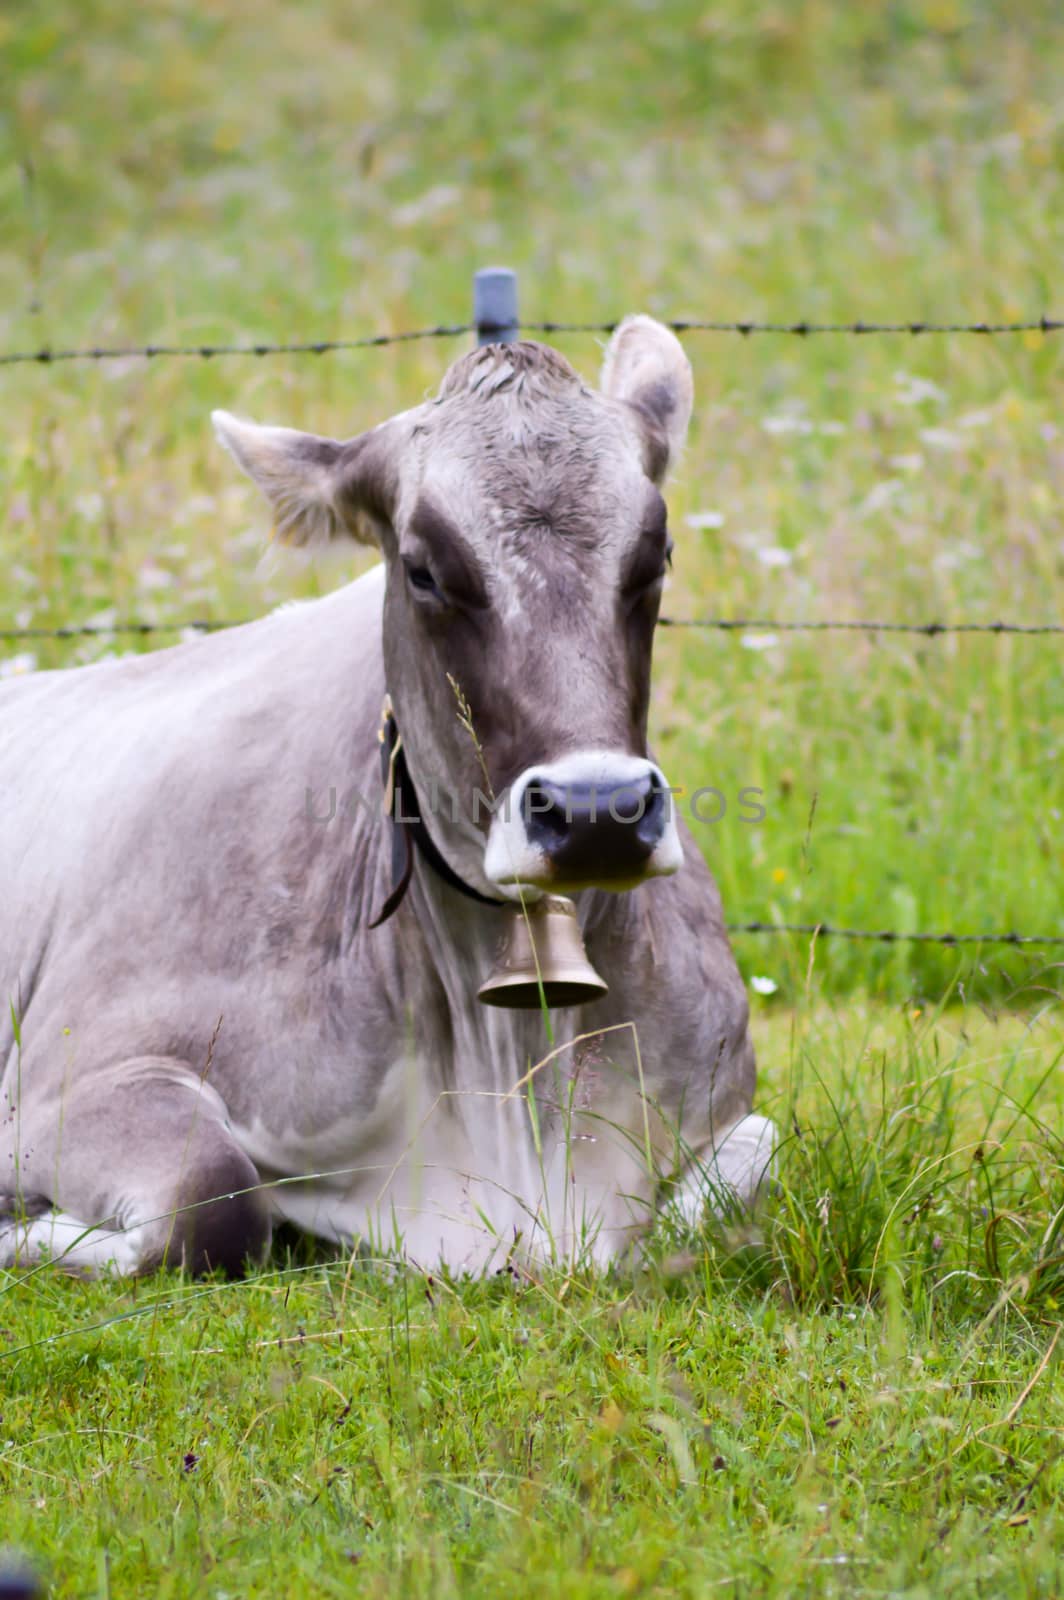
x=524 y=535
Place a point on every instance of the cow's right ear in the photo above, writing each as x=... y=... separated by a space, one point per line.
x=319 y=489
x=645 y=365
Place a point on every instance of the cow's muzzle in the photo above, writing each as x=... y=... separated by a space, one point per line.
x=590 y=820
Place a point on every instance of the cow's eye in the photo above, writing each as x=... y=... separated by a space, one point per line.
x=645 y=577
x=422 y=582
x=643 y=585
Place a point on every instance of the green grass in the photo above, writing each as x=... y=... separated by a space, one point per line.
x=853 y=1378
x=859 y=1393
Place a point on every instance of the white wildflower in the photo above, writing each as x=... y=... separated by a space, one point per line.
x=978 y=419
x=916 y=391
x=880 y=495
x=764 y=985
x=942 y=439
x=151 y=576
x=956 y=555
x=430 y=204
x=17 y=666
x=786 y=424
x=89 y=507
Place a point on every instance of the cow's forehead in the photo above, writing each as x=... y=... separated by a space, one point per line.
x=516 y=445
x=523 y=368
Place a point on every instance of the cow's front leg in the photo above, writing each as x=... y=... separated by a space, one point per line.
x=732 y=1171
x=632 y=1146
x=606 y=1156
x=127 y=1170
x=624 y=1151
x=677 y=1060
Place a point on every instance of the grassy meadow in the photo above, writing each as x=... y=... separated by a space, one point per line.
x=860 y=1392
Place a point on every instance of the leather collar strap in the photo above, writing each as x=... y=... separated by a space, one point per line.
x=408 y=830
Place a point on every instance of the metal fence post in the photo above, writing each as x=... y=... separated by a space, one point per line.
x=495 y=305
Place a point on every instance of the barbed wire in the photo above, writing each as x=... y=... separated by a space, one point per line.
x=107 y=630
x=804 y=328
x=824 y=930
x=931 y=630
x=46 y=355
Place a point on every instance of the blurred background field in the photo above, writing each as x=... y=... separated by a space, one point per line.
x=840 y=1395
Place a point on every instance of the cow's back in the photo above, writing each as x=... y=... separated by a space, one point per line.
x=143 y=794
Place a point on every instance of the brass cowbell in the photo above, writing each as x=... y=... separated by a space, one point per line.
x=548 y=934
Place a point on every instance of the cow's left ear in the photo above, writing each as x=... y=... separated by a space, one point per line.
x=319 y=489
x=646 y=367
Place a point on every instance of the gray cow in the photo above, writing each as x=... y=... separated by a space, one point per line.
x=205 y=1024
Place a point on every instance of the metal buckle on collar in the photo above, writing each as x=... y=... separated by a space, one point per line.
x=389 y=736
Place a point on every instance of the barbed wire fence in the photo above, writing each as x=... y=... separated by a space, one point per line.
x=45 y=355
x=932 y=630
x=496 y=320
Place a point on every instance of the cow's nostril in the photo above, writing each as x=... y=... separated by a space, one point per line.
x=631 y=801
x=650 y=822
x=545 y=806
